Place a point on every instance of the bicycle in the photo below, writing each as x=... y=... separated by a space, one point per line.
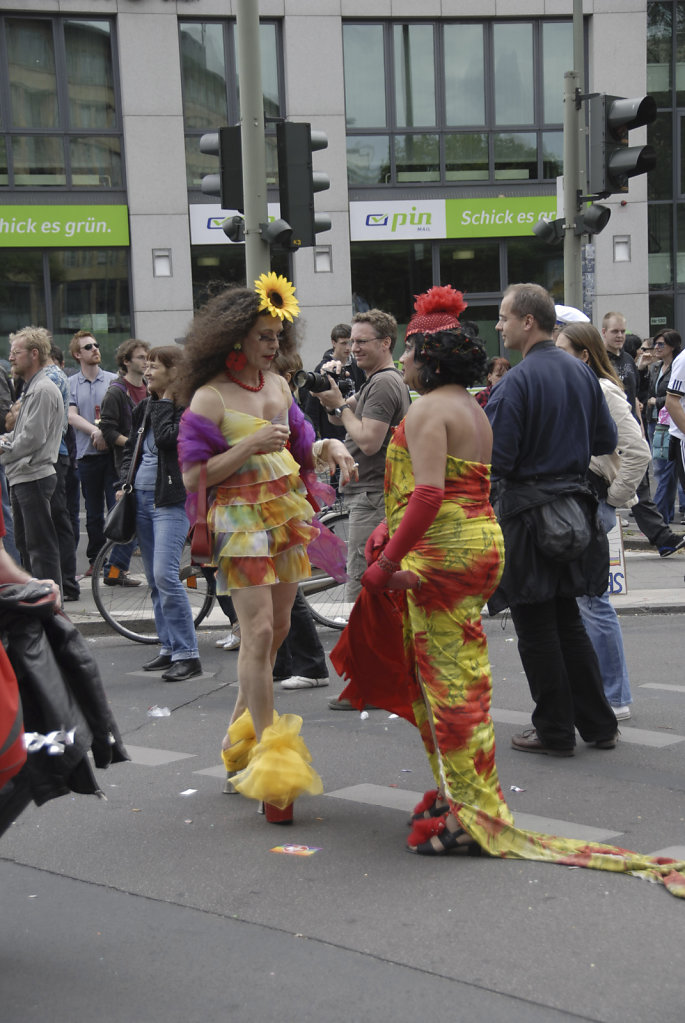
x=324 y=595
x=128 y=609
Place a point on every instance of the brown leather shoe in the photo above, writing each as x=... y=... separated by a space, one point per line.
x=609 y=743
x=529 y=741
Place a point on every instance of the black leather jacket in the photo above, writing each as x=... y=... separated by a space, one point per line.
x=164 y=418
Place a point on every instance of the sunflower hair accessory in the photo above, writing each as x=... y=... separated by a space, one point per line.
x=277 y=296
x=436 y=309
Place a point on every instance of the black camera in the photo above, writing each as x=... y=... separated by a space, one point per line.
x=318 y=382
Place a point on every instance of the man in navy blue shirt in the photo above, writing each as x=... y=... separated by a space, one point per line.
x=548 y=417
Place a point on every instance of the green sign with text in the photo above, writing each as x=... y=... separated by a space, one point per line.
x=497 y=217
x=62 y=226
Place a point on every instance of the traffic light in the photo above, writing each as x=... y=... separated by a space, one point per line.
x=298 y=182
x=228 y=183
x=612 y=160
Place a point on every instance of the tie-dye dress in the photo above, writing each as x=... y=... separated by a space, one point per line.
x=260 y=518
x=443 y=680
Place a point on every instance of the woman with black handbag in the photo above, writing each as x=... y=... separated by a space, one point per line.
x=161 y=521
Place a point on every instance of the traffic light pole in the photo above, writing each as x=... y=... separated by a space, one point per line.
x=573 y=279
x=257 y=252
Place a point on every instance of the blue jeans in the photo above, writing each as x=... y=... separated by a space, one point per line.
x=601 y=624
x=161 y=534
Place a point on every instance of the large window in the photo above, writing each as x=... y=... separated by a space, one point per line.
x=67 y=290
x=440 y=102
x=59 y=115
x=388 y=274
x=666 y=183
x=209 y=68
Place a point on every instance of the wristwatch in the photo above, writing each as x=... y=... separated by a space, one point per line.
x=337 y=412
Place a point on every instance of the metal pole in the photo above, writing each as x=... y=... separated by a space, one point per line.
x=257 y=252
x=573 y=284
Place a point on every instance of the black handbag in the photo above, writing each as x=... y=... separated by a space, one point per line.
x=120 y=524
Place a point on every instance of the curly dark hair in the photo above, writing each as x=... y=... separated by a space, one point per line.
x=217 y=328
x=449 y=357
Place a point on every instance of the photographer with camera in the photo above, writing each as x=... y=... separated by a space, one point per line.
x=338 y=363
x=368 y=419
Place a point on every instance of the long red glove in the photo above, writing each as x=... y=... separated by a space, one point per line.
x=385 y=573
x=376 y=542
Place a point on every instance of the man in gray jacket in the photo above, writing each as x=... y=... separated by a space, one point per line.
x=29 y=452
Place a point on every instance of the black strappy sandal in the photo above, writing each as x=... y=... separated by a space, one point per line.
x=432 y=837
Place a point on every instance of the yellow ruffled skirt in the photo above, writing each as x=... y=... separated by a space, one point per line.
x=275 y=770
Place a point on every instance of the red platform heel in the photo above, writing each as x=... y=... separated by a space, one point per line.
x=275 y=815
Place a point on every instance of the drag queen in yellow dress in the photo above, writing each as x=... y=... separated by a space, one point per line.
x=260 y=520
x=418 y=623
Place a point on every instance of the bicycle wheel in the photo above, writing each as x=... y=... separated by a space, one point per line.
x=128 y=609
x=325 y=596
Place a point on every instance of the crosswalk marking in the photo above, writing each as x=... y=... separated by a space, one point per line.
x=149 y=757
x=662 y=685
x=213 y=772
x=629 y=734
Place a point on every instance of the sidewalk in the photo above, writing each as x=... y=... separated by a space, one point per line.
x=654 y=586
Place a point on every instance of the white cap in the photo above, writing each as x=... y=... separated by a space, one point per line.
x=567 y=314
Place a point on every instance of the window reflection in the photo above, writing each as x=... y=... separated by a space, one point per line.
x=38 y=160
x=557 y=57
x=364 y=76
x=368 y=159
x=203 y=71
x=96 y=162
x=471 y=264
x=414 y=75
x=464 y=75
x=90 y=76
x=513 y=61
x=417 y=158
x=528 y=260
x=466 y=157
x=491 y=73
x=386 y=275
x=660 y=245
x=89 y=291
x=221 y=265
x=660 y=135
x=22 y=295
x=516 y=156
x=31 y=69
x=552 y=154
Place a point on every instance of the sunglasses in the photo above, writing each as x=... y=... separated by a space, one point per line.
x=89 y=347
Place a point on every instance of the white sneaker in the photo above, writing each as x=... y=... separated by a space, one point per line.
x=622 y=713
x=302 y=682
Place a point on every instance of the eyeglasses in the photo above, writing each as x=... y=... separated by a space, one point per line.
x=17 y=351
x=365 y=340
x=89 y=347
x=659 y=344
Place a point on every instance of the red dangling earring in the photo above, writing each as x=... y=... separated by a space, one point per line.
x=236 y=359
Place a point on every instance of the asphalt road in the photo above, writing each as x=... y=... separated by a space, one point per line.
x=168 y=901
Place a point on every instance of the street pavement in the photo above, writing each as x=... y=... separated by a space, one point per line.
x=169 y=900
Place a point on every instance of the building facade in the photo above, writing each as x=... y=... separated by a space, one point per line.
x=445 y=143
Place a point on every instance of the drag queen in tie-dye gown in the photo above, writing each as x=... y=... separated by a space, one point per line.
x=416 y=646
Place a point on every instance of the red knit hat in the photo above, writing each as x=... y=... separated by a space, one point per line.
x=437 y=309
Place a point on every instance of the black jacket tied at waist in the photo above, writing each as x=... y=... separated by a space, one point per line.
x=554 y=542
